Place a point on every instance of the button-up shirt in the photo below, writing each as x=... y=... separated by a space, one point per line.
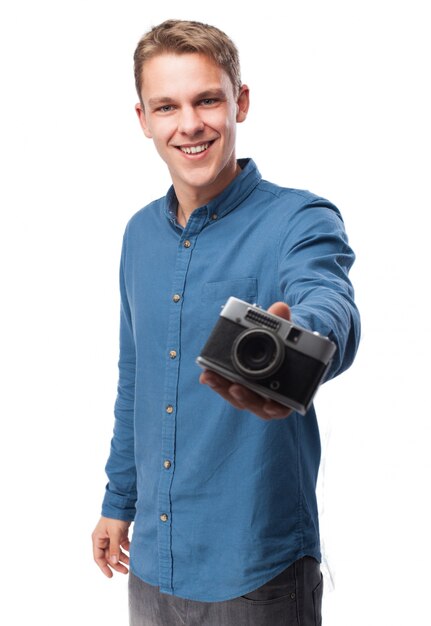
x=222 y=501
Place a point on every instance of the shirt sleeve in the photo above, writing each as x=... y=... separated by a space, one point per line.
x=314 y=263
x=120 y=495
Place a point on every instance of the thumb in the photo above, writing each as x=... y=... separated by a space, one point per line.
x=281 y=309
x=114 y=546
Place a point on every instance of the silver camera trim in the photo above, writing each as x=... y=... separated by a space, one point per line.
x=307 y=342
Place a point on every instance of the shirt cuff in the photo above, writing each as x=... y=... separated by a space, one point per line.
x=120 y=507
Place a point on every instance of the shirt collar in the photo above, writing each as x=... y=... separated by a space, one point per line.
x=241 y=186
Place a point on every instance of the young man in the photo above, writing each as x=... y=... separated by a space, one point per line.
x=220 y=486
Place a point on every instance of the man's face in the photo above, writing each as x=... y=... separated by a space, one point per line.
x=190 y=111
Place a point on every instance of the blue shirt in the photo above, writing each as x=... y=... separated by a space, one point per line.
x=222 y=501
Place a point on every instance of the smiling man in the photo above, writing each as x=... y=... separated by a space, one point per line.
x=194 y=131
x=219 y=482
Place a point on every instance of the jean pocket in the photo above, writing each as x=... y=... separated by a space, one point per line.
x=272 y=606
x=288 y=599
x=282 y=586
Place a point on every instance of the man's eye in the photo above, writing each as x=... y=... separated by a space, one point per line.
x=166 y=108
x=208 y=101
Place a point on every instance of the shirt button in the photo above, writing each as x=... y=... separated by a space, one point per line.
x=176 y=297
x=173 y=354
x=164 y=517
x=187 y=244
x=169 y=409
x=214 y=216
x=167 y=464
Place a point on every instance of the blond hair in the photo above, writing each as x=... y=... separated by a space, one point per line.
x=181 y=37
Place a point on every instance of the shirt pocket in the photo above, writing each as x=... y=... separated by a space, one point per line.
x=215 y=295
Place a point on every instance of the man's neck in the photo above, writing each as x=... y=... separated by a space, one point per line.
x=188 y=200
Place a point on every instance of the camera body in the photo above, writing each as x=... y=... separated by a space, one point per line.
x=268 y=354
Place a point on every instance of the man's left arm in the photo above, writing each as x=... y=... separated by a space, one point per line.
x=314 y=260
x=314 y=263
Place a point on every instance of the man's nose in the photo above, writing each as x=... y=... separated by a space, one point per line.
x=190 y=123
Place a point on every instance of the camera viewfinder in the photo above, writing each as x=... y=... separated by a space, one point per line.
x=294 y=335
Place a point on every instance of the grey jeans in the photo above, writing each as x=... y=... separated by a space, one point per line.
x=293 y=598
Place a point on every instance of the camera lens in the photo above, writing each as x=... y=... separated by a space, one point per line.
x=257 y=353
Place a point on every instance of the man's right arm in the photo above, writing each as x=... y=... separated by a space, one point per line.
x=118 y=508
x=120 y=495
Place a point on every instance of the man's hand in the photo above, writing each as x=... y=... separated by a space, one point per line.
x=110 y=538
x=241 y=397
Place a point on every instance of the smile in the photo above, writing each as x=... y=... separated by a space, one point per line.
x=195 y=149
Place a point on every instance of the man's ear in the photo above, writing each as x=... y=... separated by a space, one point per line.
x=143 y=120
x=243 y=103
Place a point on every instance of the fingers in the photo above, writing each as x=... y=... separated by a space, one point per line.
x=114 y=548
x=100 y=560
x=242 y=398
x=220 y=385
x=122 y=557
x=281 y=309
x=126 y=544
x=100 y=554
x=110 y=541
x=118 y=561
x=250 y=401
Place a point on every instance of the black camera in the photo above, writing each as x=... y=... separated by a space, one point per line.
x=268 y=354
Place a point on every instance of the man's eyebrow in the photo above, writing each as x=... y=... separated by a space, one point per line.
x=211 y=93
x=159 y=101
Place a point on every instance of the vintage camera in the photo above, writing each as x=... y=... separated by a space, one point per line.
x=268 y=354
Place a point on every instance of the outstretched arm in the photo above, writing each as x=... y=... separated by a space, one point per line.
x=314 y=259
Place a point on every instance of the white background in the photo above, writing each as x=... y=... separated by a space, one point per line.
x=341 y=106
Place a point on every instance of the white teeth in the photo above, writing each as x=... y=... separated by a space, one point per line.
x=194 y=149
